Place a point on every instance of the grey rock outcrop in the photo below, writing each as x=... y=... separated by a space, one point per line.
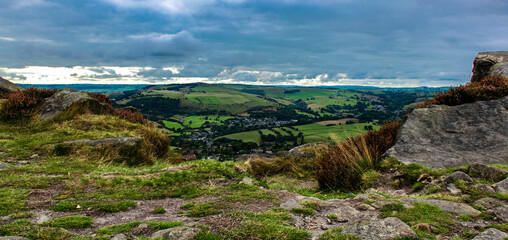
x=388 y=228
x=489 y=202
x=487 y=172
x=8 y=86
x=491 y=234
x=177 y=233
x=490 y=63
x=449 y=206
x=458 y=176
x=57 y=104
x=451 y=136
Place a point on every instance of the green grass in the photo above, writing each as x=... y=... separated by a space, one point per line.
x=420 y=213
x=159 y=210
x=66 y=206
x=201 y=209
x=273 y=224
x=336 y=234
x=311 y=132
x=303 y=211
x=70 y=222
x=124 y=227
x=172 y=125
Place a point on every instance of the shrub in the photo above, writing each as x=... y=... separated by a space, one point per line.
x=489 y=88
x=131 y=116
x=22 y=104
x=342 y=166
x=101 y=98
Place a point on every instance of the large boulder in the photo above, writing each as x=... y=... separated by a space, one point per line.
x=388 y=228
x=487 y=172
x=441 y=136
x=490 y=63
x=7 y=86
x=177 y=233
x=64 y=99
x=491 y=234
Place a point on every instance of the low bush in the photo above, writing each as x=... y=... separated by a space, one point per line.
x=342 y=166
x=489 y=88
x=22 y=104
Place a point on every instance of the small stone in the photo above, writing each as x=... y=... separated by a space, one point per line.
x=485 y=188
x=345 y=212
x=502 y=186
x=384 y=229
x=425 y=227
x=453 y=189
x=323 y=227
x=34 y=156
x=120 y=236
x=491 y=234
x=247 y=181
x=399 y=193
x=365 y=207
x=489 y=202
x=13 y=238
x=24 y=162
x=487 y=172
x=422 y=177
x=177 y=233
x=500 y=213
x=458 y=176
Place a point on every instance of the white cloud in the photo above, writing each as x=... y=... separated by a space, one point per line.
x=141 y=75
x=7 y=39
x=170 y=6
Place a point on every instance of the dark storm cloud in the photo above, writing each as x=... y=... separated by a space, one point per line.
x=277 y=41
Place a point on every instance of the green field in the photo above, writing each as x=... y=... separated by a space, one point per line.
x=311 y=132
x=198 y=121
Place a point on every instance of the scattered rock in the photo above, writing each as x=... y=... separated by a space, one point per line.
x=453 y=189
x=487 y=172
x=500 y=213
x=490 y=63
x=247 y=181
x=443 y=136
x=13 y=238
x=425 y=227
x=296 y=221
x=123 y=141
x=120 y=236
x=485 y=188
x=388 y=228
x=345 y=212
x=491 y=234
x=3 y=166
x=365 y=207
x=177 y=233
x=458 y=176
x=449 y=206
x=502 y=187
x=489 y=202
x=57 y=104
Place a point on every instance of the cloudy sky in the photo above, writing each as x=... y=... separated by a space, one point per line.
x=273 y=42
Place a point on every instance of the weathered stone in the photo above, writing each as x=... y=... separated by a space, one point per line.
x=500 y=213
x=425 y=227
x=453 y=189
x=13 y=238
x=345 y=212
x=458 y=176
x=247 y=181
x=502 y=187
x=490 y=63
x=120 y=236
x=485 y=188
x=3 y=166
x=443 y=136
x=489 y=202
x=491 y=234
x=57 y=104
x=365 y=207
x=124 y=141
x=177 y=233
x=487 y=172
x=7 y=86
x=388 y=228
x=449 y=206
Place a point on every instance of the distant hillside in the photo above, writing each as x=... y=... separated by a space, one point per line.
x=7 y=86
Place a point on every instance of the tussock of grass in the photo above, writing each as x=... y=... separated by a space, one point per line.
x=273 y=224
x=124 y=227
x=342 y=166
x=25 y=228
x=159 y=210
x=303 y=211
x=201 y=209
x=336 y=234
x=70 y=222
x=66 y=206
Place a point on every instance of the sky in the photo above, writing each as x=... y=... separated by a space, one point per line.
x=390 y=43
